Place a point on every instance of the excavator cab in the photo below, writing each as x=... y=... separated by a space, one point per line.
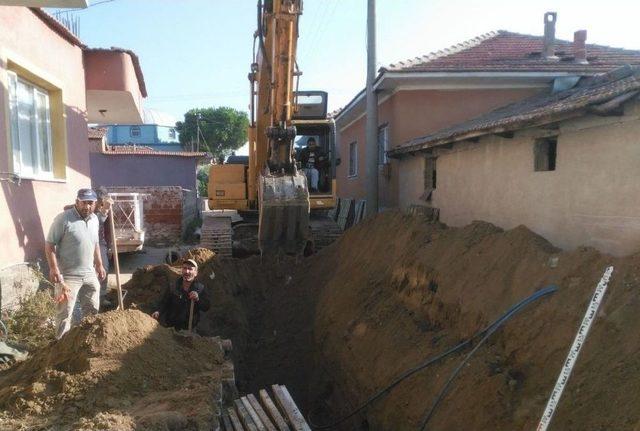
x=286 y=202
x=311 y=123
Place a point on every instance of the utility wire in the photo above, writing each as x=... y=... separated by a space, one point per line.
x=483 y=334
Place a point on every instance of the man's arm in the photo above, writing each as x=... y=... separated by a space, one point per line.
x=203 y=298
x=97 y=262
x=161 y=309
x=55 y=235
x=54 y=270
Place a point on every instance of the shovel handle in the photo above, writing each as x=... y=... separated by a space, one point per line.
x=191 y=315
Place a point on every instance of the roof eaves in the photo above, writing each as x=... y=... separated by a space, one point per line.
x=56 y=26
x=134 y=59
x=598 y=102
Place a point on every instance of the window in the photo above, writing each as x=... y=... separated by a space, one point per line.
x=544 y=154
x=30 y=127
x=353 y=159
x=134 y=131
x=383 y=144
x=429 y=177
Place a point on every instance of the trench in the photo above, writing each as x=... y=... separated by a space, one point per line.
x=341 y=325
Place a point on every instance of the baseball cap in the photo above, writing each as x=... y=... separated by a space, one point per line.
x=191 y=262
x=87 y=195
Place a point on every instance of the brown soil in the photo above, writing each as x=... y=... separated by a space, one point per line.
x=199 y=254
x=337 y=327
x=397 y=291
x=255 y=304
x=116 y=371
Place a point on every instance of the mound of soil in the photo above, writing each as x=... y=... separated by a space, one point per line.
x=397 y=290
x=118 y=370
x=339 y=326
x=199 y=254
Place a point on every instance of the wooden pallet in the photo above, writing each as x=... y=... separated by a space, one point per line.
x=345 y=216
x=217 y=234
x=251 y=413
x=360 y=211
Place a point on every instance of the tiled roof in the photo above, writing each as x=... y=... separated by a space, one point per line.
x=96 y=132
x=142 y=150
x=136 y=65
x=503 y=51
x=597 y=94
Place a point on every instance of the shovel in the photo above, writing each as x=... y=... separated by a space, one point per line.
x=191 y=316
x=186 y=337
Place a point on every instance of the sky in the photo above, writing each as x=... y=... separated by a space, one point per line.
x=197 y=53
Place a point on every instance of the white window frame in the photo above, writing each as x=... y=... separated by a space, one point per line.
x=383 y=131
x=138 y=130
x=353 y=155
x=19 y=166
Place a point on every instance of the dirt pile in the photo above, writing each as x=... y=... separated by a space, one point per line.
x=397 y=290
x=199 y=254
x=116 y=371
x=337 y=327
x=254 y=303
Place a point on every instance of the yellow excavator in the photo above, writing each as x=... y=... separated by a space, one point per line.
x=269 y=185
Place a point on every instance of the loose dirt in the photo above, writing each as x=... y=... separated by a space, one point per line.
x=118 y=370
x=397 y=290
x=339 y=326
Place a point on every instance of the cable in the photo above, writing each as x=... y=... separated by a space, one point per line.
x=485 y=334
x=493 y=328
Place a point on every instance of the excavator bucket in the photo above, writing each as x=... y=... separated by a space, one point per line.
x=284 y=213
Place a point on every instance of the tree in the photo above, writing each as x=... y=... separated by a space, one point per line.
x=222 y=130
x=203 y=180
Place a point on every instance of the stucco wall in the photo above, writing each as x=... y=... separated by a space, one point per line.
x=410 y=114
x=143 y=170
x=590 y=199
x=26 y=210
x=112 y=71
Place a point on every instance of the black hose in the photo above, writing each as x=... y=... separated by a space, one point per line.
x=261 y=36
x=493 y=328
x=485 y=334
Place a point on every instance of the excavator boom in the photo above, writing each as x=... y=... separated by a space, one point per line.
x=283 y=197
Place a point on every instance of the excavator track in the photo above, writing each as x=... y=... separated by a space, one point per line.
x=217 y=233
x=324 y=231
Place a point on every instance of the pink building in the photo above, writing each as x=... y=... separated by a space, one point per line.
x=51 y=86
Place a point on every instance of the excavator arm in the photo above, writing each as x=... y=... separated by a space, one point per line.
x=282 y=193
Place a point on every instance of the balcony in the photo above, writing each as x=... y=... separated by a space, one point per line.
x=115 y=86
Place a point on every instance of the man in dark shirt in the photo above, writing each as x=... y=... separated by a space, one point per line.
x=312 y=158
x=176 y=303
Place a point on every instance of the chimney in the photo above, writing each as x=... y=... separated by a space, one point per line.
x=579 y=47
x=549 y=36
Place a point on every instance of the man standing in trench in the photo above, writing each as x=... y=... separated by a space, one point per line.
x=175 y=307
x=73 y=254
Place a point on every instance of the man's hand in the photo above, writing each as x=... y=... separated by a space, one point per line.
x=193 y=296
x=62 y=295
x=101 y=272
x=155 y=315
x=55 y=276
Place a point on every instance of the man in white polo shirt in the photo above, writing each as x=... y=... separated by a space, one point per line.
x=73 y=253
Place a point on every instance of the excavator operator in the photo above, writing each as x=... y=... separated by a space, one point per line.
x=312 y=159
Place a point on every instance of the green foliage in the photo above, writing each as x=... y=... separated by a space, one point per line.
x=32 y=324
x=203 y=180
x=224 y=129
